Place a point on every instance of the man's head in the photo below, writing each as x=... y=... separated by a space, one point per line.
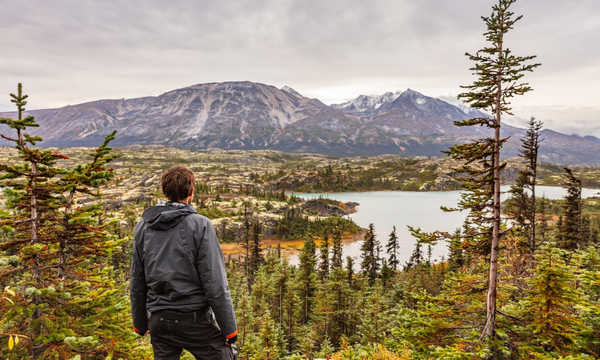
x=177 y=183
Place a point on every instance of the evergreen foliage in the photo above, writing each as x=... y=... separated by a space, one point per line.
x=324 y=257
x=307 y=277
x=550 y=304
x=499 y=76
x=522 y=204
x=571 y=230
x=392 y=249
x=336 y=256
x=370 y=258
x=256 y=257
x=62 y=298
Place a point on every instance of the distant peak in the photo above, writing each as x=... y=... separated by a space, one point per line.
x=410 y=91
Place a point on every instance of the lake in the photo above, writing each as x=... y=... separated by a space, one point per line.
x=386 y=209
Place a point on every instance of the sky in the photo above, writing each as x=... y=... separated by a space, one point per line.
x=68 y=52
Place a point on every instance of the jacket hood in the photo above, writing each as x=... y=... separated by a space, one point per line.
x=166 y=215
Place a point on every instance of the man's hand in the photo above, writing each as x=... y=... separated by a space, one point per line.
x=141 y=333
x=231 y=340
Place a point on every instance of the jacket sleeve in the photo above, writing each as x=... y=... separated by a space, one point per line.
x=137 y=284
x=211 y=269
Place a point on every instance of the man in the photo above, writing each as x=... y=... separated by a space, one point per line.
x=178 y=277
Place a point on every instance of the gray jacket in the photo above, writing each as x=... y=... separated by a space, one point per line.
x=177 y=264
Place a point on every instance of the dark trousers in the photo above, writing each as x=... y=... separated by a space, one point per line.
x=171 y=332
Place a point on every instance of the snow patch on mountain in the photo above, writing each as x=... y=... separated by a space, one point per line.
x=464 y=107
x=365 y=103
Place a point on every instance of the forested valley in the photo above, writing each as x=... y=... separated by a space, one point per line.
x=521 y=281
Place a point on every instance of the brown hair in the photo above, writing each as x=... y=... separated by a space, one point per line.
x=177 y=182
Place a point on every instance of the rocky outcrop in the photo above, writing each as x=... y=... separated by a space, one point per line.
x=326 y=207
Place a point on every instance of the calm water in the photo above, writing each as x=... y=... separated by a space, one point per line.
x=386 y=209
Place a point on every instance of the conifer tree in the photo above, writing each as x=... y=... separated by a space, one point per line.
x=307 y=279
x=269 y=340
x=392 y=250
x=572 y=226
x=326 y=349
x=324 y=257
x=291 y=306
x=340 y=288
x=551 y=302
x=523 y=202
x=416 y=258
x=336 y=257
x=350 y=270
x=529 y=152
x=543 y=222
x=386 y=274
x=256 y=258
x=429 y=255
x=370 y=263
x=246 y=244
x=456 y=258
x=499 y=76
x=560 y=230
x=371 y=326
x=66 y=299
x=518 y=206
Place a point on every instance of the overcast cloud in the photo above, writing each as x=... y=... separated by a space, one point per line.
x=67 y=52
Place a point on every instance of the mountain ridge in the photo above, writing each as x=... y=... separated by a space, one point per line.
x=250 y=115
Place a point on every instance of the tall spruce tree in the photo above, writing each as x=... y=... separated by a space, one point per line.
x=571 y=232
x=530 y=145
x=324 y=257
x=308 y=261
x=350 y=270
x=455 y=257
x=256 y=258
x=392 y=250
x=416 y=258
x=499 y=76
x=336 y=256
x=246 y=244
x=543 y=222
x=370 y=261
x=523 y=202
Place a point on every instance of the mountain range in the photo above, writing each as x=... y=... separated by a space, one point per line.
x=249 y=115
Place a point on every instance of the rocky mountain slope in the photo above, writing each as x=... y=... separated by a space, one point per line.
x=247 y=115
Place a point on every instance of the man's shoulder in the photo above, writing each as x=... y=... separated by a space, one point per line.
x=139 y=226
x=198 y=219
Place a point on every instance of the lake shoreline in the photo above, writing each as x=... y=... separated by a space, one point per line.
x=411 y=191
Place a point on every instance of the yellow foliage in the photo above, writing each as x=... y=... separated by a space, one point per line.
x=385 y=354
x=379 y=353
